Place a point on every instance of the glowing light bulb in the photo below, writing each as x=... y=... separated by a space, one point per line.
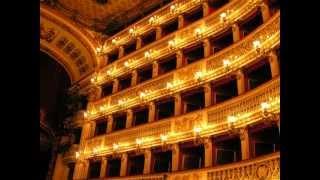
x=77 y=155
x=198 y=75
x=126 y=64
x=171 y=44
x=85 y=114
x=265 y=106
x=197 y=130
x=223 y=17
x=198 y=32
x=226 y=63
x=115 y=146
x=138 y=141
x=163 y=137
x=114 y=41
x=142 y=94
x=231 y=119
x=169 y=85
x=147 y=54
x=256 y=45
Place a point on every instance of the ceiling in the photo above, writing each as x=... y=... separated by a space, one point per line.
x=97 y=16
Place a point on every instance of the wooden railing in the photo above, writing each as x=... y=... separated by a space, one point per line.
x=239 y=54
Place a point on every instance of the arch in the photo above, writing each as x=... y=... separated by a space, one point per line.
x=67 y=43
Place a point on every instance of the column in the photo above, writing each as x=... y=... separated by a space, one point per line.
x=81 y=170
x=175 y=157
x=110 y=124
x=236 y=32
x=245 y=144
x=121 y=52
x=274 y=64
x=206 y=9
x=207 y=95
x=124 y=163
x=152 y=112
x=60 y=169
x=207 y=152
x=180 y=21
x=92 y=128
x=158 y=32
x=206 y=47
x=139 y=42
x=134 y=79
x=179 y=57
x=265 y=12
x=115 y=86
x=155 y=69
x=177 y=104
x=147 y=161
x=129 y=118
x=85 y=134
x=104 y=60
x=241 y=84
x=103 y=167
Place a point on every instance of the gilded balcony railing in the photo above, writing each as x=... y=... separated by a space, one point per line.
x=213 y=120
x=266 y=167
x=239 y=54
x=160 y=16
x=211 y=25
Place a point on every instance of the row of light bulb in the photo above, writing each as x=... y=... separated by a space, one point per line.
x=148 y=55
x=154 y=20
x=198 y=76
x=265 y=106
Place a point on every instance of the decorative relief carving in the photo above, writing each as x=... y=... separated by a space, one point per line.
x=187 y=123
x=47 y=33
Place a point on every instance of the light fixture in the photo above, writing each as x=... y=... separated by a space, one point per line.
x=133 y=32
x=128 y=63
x=154 y=20
x=121 y=102
x=266 y=113
x=163 y=138
x=197 y=130
x=197 y=137
x=99 y=50
x=115 y=146
x=231 y=120
x=138 y=143
x=198 y=32
x=223 y=17
x=199 y=75
x=174 y=9
x=169 y=85
x=148 y=54
x=85 y=114
x=77 y=155
x=114 y=41
x=172 y=44
x=226 y=64
x=257 y=45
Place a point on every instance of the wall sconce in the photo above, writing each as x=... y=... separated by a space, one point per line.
x=257 y=45
x=198 y=32
x=226 y=64
x=266 y=113
x=199 y=75
x=169 y=85
x=175 y=8
x=138 y=143
x=128 y=63
x=231 y=120
x=110 y=72
x=114 y=41
x=148 y=54
x=154 y=20
x=223 y=17
x=121 y=102
x=197 y=136
x=163 y=139
x=172 y=44
x=99 y=50
x=115 y=147
x=133 y=32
